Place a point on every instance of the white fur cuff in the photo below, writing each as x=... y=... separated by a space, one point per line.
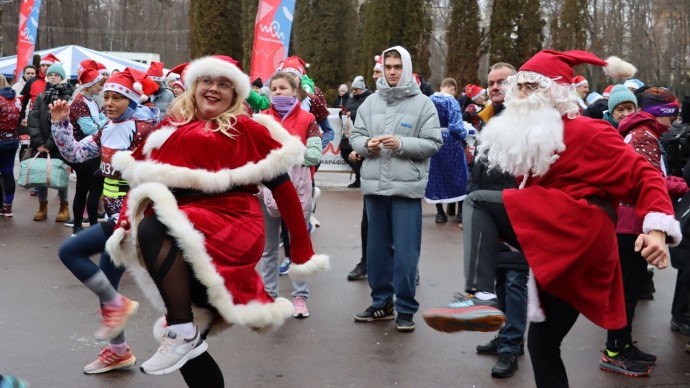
x=122 y=161
x=534 y=311
x=663 y=223
x=317 y=264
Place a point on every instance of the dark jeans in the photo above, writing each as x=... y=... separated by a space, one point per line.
x=634 y=270
x=486 y=225
x=8 y=151
x=544 y=341
x=394 y=243
x=511 y=289
x=88 y=190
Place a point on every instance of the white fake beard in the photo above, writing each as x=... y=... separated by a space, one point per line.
x=525 y=138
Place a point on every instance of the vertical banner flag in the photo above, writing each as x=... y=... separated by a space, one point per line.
x=271 y=36
x=26 y=39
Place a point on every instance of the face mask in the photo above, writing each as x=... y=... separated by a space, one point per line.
x=283 y=104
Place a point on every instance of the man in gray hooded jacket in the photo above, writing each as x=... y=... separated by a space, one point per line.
x=397 y=131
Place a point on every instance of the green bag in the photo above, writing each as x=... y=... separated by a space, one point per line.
x=43 y=172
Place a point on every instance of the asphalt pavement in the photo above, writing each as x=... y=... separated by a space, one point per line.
x=47 y=318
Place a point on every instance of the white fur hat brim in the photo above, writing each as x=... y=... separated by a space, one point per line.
x=217 y=67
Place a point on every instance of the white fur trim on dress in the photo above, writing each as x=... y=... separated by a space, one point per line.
x=316 y=264
x=534 y=311
x=216 y=67
x=277 y=162
x=663 y=223
x=123 y=161
x=191 y=243
x=156 y=139
x=618 y=68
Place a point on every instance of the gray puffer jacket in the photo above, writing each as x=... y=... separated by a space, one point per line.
x=405 y=112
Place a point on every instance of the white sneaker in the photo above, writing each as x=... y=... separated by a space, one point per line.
x=174 y=352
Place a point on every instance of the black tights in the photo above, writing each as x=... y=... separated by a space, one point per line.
x=179 y=289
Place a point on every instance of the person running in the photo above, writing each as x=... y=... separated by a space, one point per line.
x=193 y=216
x=121 y=132
x=285 y=108
x=10 y=106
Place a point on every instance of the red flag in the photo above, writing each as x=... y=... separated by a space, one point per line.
x=271 y=36
x=26 y=39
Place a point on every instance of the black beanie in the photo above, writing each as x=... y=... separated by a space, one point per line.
x=258 y=83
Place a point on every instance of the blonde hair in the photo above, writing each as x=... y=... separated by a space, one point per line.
x=3 y=82
x=182 y=111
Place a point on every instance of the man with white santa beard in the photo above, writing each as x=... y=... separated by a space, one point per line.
x=573 y=171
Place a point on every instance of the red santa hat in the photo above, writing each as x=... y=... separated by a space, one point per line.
x=579 y=80
x=179 y=84
x=379 y=63
x=295 y=65
x=218 y=66
x=179 y=69
x=101 y=68
x=607 y=91
x=126 y=82
x=559 y=65
x=155 y=71
x=473 y=91
x=87 y=64
x=49 y=59
x=89 y=77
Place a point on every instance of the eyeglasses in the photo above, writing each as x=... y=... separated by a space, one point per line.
x=207 y=83
x=527 y=87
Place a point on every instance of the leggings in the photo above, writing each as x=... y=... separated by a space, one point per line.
x=74 y=254
x=87 y=191
x=179 y=288
x=8 y=151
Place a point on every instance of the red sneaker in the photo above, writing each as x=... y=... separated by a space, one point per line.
x=107 y=360
x=115 y=319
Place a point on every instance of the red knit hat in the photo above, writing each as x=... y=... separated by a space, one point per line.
x=379 y=63
x=89 y=77
x=579 y=80
x=559 y=65
x=295 y=65
x=126 y=83
x=473 y=91
x=49 y=59
x=179 y=69
x=155 y=71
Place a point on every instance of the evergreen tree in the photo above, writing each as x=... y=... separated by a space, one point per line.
x=572 y=26
x=324 y=36
x=387 y=23
x=249 y=9
x=211 y=28
x=530 y=33
x=516 y=31
x=464 y=42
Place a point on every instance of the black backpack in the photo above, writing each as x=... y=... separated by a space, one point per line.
x=676 y=144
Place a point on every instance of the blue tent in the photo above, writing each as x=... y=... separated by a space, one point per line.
x=70 y=57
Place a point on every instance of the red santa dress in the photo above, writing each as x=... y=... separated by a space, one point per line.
x=221 y=231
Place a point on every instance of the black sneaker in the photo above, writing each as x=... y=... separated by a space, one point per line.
x=632 y=352
x=404 y=323
x=506 y=365
x=354 y=185
x=621 y=364
x=491 y=347
x=372 y=314
x=69 y=223
x=359 y=273
x=441 y=218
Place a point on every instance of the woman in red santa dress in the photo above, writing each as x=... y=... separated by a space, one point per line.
x=192 y=216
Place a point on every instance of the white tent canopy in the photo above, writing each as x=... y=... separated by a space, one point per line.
x=70 y=56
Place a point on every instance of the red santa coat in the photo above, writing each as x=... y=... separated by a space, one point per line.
x=570 y=244
x=221 y=234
